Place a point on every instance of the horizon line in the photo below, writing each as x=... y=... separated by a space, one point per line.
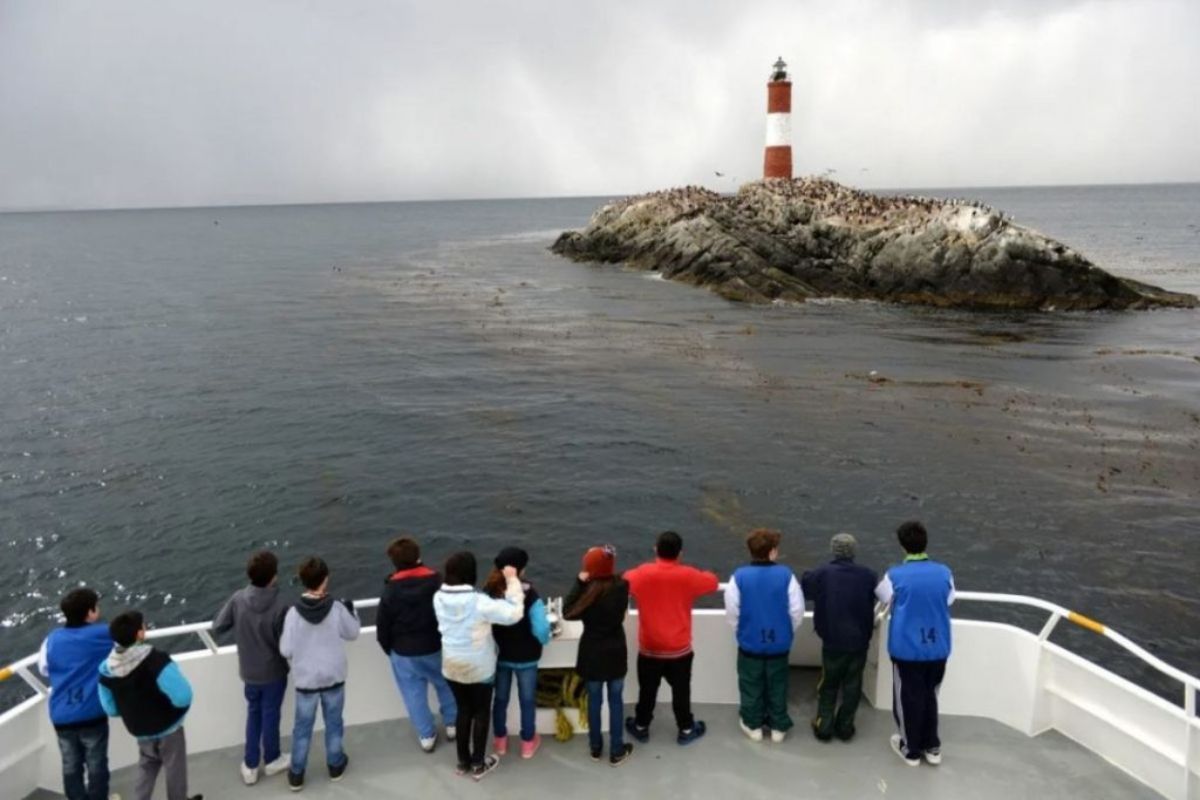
x=304 y=203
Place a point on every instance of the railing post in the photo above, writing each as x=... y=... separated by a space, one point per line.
x=1048 y=628
x=33 y=682
x=208 y=640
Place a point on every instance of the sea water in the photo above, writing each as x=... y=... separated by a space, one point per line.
x=180 y=387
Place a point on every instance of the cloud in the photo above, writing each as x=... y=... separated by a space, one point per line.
x=159 y=102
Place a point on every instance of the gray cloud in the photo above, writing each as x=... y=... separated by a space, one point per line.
x=156 y=102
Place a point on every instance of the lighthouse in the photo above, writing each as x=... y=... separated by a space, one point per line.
x=777 y=162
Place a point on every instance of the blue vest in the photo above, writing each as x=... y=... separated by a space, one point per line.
x=73 y=658
x=920 y=627
x=764 y=626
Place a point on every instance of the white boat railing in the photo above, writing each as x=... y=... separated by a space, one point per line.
x=24 y=668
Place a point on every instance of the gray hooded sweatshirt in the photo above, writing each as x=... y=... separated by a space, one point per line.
x=255 y=615
x=313 y=635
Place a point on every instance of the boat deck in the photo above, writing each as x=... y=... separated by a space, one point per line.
x=982 y=759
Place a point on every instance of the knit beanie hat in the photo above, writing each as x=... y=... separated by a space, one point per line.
x=512 y=557
x=600 y=562
x=843 y=545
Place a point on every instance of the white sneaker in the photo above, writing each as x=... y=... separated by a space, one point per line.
x=755 y=734
x=249 y=774
x=281 y=764
x=451 y=733
x=428 y=744
x=933 y=757
x=778 y=736
x=895 y=742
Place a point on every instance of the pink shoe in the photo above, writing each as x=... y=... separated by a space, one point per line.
x=500 y=745
x=531 y=747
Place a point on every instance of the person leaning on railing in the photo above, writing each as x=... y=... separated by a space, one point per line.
x=919 y=592
x=255 y=614
x=600 y=599
x=843 y=597
x=665 y=591
x=71 y=657
x=765 y=605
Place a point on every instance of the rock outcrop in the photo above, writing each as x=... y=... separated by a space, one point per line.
x=794 y=240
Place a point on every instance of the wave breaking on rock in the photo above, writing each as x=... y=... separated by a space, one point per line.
x=806 y=238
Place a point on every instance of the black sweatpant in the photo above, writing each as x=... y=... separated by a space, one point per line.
x=474 y=701
x=915 y=703
x=678 y=674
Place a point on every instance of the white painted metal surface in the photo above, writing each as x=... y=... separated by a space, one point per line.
x=997 y=671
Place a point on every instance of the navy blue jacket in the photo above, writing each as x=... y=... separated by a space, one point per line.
x=843 y=595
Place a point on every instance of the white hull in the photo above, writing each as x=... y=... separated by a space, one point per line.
x=997 y=671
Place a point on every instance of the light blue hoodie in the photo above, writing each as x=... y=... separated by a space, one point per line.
x=465 y=617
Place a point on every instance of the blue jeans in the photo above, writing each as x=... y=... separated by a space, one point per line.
x=413 y=676
x=332 y=701
x=264 y=703
x=616 y=712
x=526 y=698
x=85 y=746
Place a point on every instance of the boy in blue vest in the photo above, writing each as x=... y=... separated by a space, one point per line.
x=765 y=605
x=919 y=592
x=71 y=657
x=843 y=596
x=145 y=688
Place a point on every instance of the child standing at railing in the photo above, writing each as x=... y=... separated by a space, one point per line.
x=71 y=657
x=465 y=618
x=520 y=649
x=314 y=633
x=600 y=598
x=145 y=688
x=255 y=614
x=406 y=628
x=764 y=604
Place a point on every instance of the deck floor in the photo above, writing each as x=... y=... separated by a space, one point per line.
x=982 y=759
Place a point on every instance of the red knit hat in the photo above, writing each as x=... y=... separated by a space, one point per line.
x=600 y=562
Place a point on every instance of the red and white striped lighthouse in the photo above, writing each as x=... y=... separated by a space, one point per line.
x=777 y=163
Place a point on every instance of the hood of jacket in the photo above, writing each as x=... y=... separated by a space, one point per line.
x=261 y=598
x=314 y=609
x=124 y=660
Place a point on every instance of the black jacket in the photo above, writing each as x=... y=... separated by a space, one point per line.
x=516 y=644
x=603 y=652
x=405 y=623
x=843 y=596
x=143 y=707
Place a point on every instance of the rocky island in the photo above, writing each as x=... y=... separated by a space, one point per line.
x=794 y=240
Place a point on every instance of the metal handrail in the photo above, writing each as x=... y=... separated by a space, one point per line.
x=1056 y=612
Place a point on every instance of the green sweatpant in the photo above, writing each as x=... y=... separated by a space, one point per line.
x=839 y=672
x=763 y=683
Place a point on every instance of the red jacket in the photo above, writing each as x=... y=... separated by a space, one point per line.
x=665 y=591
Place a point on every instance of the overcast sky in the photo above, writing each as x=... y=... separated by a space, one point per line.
x=110 y=103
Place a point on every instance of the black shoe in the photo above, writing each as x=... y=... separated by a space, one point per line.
x=846 y=735
x=620 y=758
x=637 y=732
x=489 y=764
x=596 y=754
x=295 y=780
x=196 y=797
x=692 y=734
x=336 y=773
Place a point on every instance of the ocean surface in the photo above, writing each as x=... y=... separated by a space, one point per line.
x=180 y=387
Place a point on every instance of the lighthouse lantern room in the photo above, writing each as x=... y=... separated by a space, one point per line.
x=777 y=162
